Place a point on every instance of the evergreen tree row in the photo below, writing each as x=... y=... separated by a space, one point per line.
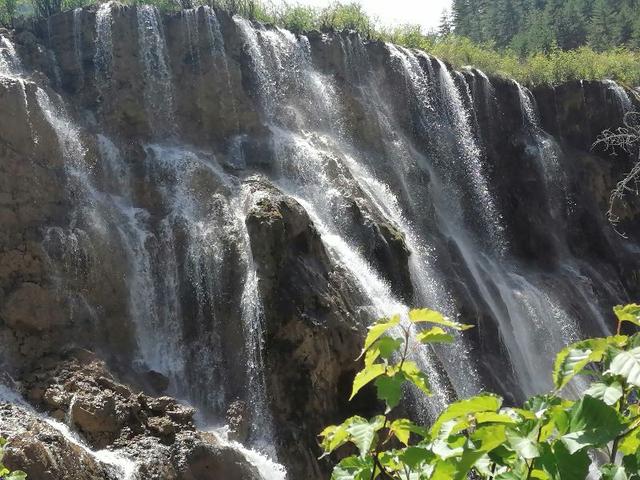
x=529 y=26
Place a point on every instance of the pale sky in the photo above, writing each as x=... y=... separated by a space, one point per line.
x=392 y=12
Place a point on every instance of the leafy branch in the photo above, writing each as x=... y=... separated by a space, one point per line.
x=548 y=438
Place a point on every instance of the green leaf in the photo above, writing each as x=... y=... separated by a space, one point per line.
x=445 y=444
x=383 y=347
x=353 y=468
x=613 y=472
x=334 y=436
x=16 y=475
x=609 y=394
x=493 y=417
x=571 y=466
x=431 y=316
x=362 y=433
x=628 y=313
x=434 y=335
x=593 y=423
x=630 y=444
x=488 y=437
x=524 y=445
x=366 y=375
x=403 y=428
x=572 y=359
x=485 y=402
x=377 y=330
x=400 y=428
x=414 y=456
x=445 y=470
x=416 y=376
x=390 y=390
x=627 y=365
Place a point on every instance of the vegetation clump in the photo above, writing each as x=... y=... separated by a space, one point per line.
x=550 y=437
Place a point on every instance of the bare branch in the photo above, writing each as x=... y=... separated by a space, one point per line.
x=625 y=138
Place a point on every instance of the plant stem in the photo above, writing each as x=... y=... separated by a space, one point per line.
x=530 y=464
x=376 y=453
x=621 y=406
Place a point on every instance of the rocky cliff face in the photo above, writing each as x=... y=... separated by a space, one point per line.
x=218 y=209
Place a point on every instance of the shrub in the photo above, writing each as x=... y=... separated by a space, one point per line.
x=298 y=18
x=549 y=437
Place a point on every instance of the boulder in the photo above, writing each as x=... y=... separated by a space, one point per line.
x=42 y=451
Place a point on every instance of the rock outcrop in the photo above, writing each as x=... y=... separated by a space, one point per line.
x=132 y=433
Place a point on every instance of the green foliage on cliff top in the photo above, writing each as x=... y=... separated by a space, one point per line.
x=550 y=66
x=548 y=438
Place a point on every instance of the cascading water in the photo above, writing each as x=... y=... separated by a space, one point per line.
x=190 y=18
x=118 y=466
x=10 y=64
x=174 y=216
x=306 y=172
x=470 y=155
x=158 y=91
x=77 y=37
x=621 y=96
x=104 y=47
x=503 y=288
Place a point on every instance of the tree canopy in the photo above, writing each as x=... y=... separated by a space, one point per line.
x=530 y=26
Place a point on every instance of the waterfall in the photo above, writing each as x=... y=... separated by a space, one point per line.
x=547 y=149
x=158 y=90
x=471 y=156
x=10 y=65
x=622 y=97
x=103 y=58
x=519 y=304
x=190 y=18
x=383 y=147
x=216 y=40
x=252 y=317
x=11 y=68
x=77 y=38
x=529 y=114
x=305 y=169
x=218 y=53
x=269 y=470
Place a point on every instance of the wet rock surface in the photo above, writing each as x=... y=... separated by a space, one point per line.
x=44 y=453
x=153 y=437
x=69 y=264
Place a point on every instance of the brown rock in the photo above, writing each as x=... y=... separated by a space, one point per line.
x=161 y=426
x=41 y=451
x=32 y=307
x=97 y=417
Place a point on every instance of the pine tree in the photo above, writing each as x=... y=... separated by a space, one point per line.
x=600 y=35
x=461 y=14
x=635 y=34
x=446 y=26
x=622 y=27
x=571 y=25
x=528 y=26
